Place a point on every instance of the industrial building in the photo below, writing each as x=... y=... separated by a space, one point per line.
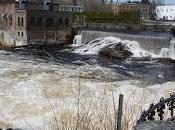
x=25 y=22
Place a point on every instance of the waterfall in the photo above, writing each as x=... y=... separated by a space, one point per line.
x=152 y=44
x=94 y=46
x=77 y=40
x=169 y=52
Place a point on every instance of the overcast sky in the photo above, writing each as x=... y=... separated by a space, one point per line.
x=166 y=1
x=170 y=1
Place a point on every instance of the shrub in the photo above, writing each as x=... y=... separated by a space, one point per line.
x=109 y=17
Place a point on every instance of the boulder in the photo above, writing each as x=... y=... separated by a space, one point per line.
x=117 y=51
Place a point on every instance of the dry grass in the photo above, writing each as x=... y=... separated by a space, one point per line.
x=95 y=112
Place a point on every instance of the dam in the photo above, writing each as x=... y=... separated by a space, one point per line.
x=148 y=43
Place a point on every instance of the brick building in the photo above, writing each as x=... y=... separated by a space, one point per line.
x=31 y=22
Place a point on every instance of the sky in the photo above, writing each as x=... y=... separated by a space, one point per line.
x=166 y=1
x=170 y=1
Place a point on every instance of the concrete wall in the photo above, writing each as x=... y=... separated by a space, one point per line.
x=48 y=37
x=152 y=44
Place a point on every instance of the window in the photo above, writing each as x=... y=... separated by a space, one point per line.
x=67 y=21
x=22 y=22
x=60 y=21
x=22 y=34
x=49 y=22
x=39 y=22
x=18 y=21
x=11 y=21
x=32 y=21
x=18 y=33
x=6 y=22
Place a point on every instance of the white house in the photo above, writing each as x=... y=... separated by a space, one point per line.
x=165 y=12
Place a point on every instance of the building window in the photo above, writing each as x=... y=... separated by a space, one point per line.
x=32 y=21
x=18 y=21
x=49 y=22
x=22 y=34
x=60 y=21
x=22 y=22
x=11 y=21
x=39 y=22
x=6 y=22
x=18 y=33
x=67 y=21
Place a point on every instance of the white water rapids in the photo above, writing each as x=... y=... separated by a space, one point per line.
x=96 y=45
x=32 y=92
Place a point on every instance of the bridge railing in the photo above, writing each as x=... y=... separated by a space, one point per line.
x=159 y=110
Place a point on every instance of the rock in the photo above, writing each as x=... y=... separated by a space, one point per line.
x=117 y=51
x=10 y=129
x=156 y=125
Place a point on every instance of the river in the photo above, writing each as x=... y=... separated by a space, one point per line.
x=43 y=88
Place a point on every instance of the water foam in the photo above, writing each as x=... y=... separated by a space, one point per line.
x=25 y=83
x=169 y=52
x=96 y=45
x=77 y=40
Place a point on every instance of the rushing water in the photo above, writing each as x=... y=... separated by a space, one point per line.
x=36 y=81
x=96 y=45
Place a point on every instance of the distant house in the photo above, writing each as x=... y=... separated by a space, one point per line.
x=125 y=7
x=24 y=22
x=166 y=13
x=144 y=9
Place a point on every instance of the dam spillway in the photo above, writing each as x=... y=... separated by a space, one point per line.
x=148 y=43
